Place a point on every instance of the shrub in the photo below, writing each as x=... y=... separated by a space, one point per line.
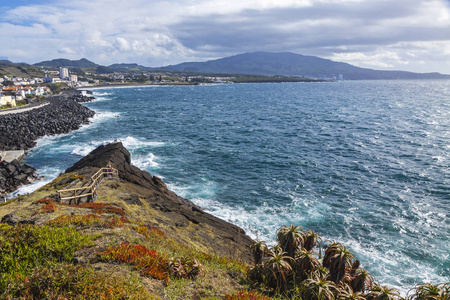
x=182 y=267
x=149 y=262
x=86 y=220
x=50 y=205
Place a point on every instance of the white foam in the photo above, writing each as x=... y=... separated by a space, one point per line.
x=133 y=143
x=29 y=188
x=146 y=162
x=129 y=142
x=101 y=94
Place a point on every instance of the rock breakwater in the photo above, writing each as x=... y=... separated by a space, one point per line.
x=14 y=174
x=62 y=115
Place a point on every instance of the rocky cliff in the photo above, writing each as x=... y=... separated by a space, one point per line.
x=137 y=240
x=141 y=189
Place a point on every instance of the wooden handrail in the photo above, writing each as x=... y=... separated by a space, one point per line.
x=96 y=179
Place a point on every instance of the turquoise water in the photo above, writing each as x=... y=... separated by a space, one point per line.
x=365 y=163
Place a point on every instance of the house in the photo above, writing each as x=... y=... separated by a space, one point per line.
x=7 y=99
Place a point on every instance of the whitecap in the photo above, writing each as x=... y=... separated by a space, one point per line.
x=146 y=162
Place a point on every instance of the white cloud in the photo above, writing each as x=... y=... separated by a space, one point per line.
x=372 y=33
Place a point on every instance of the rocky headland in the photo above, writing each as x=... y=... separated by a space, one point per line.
x=136 y=212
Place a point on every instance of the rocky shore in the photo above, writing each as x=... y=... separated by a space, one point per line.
x=20 y=131
x=62 y=115
x=14 y=174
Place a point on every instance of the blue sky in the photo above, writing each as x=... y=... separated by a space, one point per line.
x=412 y=35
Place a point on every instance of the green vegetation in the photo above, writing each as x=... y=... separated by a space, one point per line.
x=20 y=70
x=104 y=70
x=24 y=248
x=112 y=249
x=294 y=269
x=66 y=281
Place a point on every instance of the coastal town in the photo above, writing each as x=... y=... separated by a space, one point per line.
x=18 y=91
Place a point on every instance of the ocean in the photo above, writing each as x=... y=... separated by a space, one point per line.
x=365 y=163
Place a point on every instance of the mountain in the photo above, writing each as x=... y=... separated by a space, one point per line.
x=8 y=68
x=6 y=62
x=62 y=62
x=129 y=67
x=291 y=64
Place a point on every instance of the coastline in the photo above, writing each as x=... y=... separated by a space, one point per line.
x=61 y=114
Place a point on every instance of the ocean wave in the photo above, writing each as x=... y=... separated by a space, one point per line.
x=97 y=94
x=129 y=142
x=47 y=175
x=146 y=162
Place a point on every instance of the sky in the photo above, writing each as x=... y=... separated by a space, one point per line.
x=410 y=35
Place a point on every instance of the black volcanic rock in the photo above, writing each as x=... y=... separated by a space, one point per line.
x=62 y=115
x=143 y=187
x=14 y=174
x=119 y=157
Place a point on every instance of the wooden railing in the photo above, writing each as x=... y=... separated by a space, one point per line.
x=90 y=192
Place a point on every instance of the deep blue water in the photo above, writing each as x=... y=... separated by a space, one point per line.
x=365 y=163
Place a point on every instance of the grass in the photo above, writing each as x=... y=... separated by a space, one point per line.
x=65 y=281
x=99 y=208
x=88 y=221
x=25 y=247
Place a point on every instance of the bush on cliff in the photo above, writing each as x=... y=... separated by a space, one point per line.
x=296 y=269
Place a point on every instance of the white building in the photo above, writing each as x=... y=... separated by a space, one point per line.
x=73 y=78
x=63 y=73
x=7 y=100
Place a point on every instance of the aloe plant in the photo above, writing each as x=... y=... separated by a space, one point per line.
x=259 y=250
x=278 y=267
x=383 y=293
x=360 y=280
x=305 y=263
x=290 y=238
x=347 y=293
x=338 y=259
x=430 y=291
x=311 y=239
x=316 y=286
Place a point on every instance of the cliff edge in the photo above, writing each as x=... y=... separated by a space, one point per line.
x=137 y=239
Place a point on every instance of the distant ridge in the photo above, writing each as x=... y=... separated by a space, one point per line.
x=291 y=64
x=129 y=67
x=62 y=62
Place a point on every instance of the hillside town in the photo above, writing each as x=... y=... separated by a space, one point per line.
x=17 y=91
